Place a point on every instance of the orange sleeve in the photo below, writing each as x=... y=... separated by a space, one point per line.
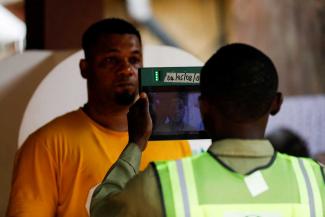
x=34 y=186
x=165 y=150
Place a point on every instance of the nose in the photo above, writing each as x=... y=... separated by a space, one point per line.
x=127 y=69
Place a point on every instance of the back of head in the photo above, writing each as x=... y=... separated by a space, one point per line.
x=241 y=80
x=104 y=27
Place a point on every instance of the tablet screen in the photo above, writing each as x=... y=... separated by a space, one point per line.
x=175 y=112
x=174 y=108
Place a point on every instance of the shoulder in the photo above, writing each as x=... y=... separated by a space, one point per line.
x=56 y=129
x=71 y=119
x=308 y=165
x=146 y=177
x=64 y=123
x=305 y=160
x=140 y=196
x=145 y=186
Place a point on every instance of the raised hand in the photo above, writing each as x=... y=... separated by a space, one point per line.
x=140 y=122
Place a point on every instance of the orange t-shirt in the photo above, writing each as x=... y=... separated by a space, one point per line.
x=59 y=163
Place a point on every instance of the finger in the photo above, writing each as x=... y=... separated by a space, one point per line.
x=145 y=101
x=143 y=95
x=140 y=106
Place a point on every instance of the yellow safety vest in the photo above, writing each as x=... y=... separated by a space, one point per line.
x=201 y=185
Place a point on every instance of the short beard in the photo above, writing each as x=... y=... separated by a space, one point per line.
x=125 y=98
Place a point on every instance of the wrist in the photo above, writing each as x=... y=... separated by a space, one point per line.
x=132 y=154
x=140 y=142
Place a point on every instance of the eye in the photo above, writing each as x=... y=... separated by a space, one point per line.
x=134 y=60
x=111 y=60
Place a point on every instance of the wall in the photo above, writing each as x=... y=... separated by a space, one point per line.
x=17 y=84
x=292 y=32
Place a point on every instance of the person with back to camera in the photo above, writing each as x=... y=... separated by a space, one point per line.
x=239 y=176
x=59 y=163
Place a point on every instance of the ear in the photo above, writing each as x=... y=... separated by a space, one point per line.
x=207 y=109
x=83 y=65
x=204 y=105
x=211 y=117
x=276 y=104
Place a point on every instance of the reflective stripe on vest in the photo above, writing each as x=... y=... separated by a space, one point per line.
x=180 y=195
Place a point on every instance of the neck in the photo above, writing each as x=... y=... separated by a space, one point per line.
x=237 y=130
x=113 y=117
x=243 y=133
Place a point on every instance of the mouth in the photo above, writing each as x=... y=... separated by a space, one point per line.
x=125 y=85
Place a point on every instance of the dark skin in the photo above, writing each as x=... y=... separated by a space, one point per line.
x=218 y=126
x=140 y=122
x=111 y=70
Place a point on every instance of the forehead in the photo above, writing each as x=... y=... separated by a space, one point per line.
x=117 y=43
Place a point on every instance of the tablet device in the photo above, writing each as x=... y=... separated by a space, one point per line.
x=173 y=96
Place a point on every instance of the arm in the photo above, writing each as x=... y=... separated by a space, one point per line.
x=139 y=197
x=123 y=192
x=127 y=166
x=34 y=186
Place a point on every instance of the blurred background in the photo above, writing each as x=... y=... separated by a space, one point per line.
x=292 y=32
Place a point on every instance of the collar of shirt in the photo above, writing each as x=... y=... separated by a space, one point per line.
x=242 y=148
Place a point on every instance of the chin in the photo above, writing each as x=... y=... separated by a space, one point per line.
x=125 y=98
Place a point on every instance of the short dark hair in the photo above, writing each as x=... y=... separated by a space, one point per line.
x=106 y=26
x=241 y=80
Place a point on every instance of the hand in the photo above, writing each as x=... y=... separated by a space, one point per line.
x=140 y=122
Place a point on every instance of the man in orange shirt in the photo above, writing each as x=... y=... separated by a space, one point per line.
x=61 y=162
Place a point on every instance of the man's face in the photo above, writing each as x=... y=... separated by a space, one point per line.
x=112 y=69
x=168 y=104
x=177 y=108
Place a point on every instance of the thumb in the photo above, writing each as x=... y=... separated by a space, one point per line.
x=143 y=97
